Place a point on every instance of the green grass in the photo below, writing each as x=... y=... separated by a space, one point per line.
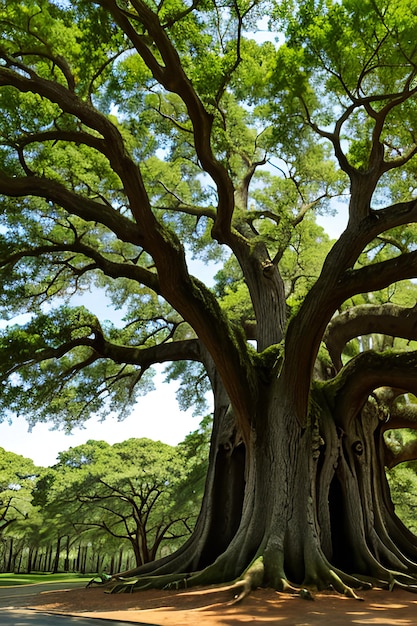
x=9 y=580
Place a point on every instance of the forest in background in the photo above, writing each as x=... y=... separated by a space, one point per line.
x=102 y=507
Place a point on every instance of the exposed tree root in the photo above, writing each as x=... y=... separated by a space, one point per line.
x=162 y=581
x=394 y=580
x=119 y=584
x=338 y=584
x=252 y=579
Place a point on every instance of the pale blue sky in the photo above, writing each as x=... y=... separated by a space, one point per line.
x=156 y=416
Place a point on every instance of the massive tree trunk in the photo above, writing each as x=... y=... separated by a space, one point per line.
x=312 y=501
x=300 y=498
x=300 y=503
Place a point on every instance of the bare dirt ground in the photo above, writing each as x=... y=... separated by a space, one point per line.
x=210 y=607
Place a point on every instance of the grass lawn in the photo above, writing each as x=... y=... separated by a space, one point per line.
x=9 y=580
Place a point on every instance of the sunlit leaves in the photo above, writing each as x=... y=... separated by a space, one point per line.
x=403 y=484
x=251 y=79
x=161 y=124
x=17 y=480
x=127 y=490
x=302 y=260
x=359 y=60
x=44 y=30
x=50 y=371
x=194 y=385
x=361 y=47
x=52 y=40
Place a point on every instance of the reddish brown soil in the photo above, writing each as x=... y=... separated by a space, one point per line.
x=210 y=607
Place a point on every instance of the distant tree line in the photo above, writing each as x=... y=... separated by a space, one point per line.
x=102 y=507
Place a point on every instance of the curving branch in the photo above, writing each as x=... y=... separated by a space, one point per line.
x=74 y=136
x=401 y=416
x=115 y=148
x=86 y=208
x=378 y=275
x=26 y=80
x=370 y=370
x=363 y=183
x=408 y=452
x=145 y=357
x=386 y=319
x=58 y=61
x=172 y=76
x=44 y=354
x=338 y=282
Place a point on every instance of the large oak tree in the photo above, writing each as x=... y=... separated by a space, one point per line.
x=136 y=134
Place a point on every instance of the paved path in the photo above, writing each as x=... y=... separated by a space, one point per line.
x=16 y=596
x=27 y=617
x=11 y=599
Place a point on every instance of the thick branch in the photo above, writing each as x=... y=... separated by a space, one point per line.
x=115 y=147
x=67 y=100
x=190 y=298
x=74 y=136
x=44 y=354
x=59 y=61
x=403 y=416
x=87 y=209
x=379 y=275
x=188 y=349
x=338 y=281
x=366 y=372
x=109 y=268
x=173 y=78
x=387 y=319
x=408 y=452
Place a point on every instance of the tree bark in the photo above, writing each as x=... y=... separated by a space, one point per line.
x=57 y=555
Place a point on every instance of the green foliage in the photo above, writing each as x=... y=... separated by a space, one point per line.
x=17 y=479
x=195 y=450
x=403 y=485
x=194 y=385
x=351 y=59
x=269 y=108
x=132 y=491
x=137 y=497
x=136 y=135
x=105 y=90
x=35 y=356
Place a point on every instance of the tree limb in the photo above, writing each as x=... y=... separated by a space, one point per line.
x=369 y=370
x=387 y=319
x=172 y=76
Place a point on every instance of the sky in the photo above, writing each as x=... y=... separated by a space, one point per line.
x=156 y=415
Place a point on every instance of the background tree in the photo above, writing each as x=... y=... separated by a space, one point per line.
x=403 y=484
x=127 y=491
x=17 y=479
x=137 y=135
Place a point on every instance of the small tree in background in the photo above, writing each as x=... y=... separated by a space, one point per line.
x=127 y=491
